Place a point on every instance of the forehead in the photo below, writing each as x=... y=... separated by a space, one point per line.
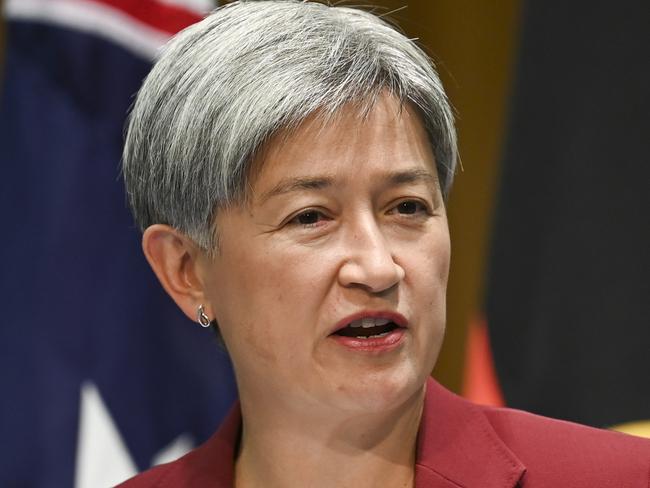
x=350 y=144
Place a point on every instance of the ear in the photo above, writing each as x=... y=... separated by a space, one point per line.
x=174 y=259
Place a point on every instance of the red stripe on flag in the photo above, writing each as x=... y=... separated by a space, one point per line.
x=480 y=383
x=164 y=17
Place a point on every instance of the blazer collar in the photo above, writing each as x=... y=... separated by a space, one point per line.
x=457 y=446
x=212 y=464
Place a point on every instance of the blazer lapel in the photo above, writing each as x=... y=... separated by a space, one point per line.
x=457 y=446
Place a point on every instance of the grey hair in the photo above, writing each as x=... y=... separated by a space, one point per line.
x=225 y=85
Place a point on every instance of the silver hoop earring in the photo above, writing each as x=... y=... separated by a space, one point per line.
x=202 y=318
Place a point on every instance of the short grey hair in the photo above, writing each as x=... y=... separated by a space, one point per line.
x=224 y=86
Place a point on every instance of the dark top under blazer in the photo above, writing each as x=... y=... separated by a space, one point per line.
x=460 y=444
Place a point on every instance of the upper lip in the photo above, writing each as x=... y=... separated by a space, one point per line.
x=395 y=317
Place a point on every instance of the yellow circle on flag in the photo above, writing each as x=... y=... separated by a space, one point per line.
x=640 y=428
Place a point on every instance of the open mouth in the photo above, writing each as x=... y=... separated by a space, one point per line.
x=367 y=328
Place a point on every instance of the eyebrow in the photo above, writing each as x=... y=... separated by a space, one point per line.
x=412 y=176
x=396 y=178
x=288 y=185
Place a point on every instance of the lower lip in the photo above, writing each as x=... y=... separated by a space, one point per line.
x=386 y=343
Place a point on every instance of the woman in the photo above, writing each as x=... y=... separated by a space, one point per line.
x=288 y=163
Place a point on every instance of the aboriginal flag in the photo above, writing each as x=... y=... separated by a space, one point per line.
x=568 y=287
x=100 y=375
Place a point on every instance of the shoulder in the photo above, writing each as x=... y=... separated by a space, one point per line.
x=477 y=446
x=151 y=478
x=155 y=477
x=572 y=454
x=164 y=475
x=209 y=466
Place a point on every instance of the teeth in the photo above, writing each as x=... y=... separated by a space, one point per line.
x=379 y=335
x=368 y=322
x=373 y=336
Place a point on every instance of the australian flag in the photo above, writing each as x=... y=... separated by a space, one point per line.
x=101 y=376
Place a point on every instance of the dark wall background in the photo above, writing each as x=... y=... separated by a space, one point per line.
x=567 y=301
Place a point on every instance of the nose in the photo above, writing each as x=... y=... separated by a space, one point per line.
x=368 y=261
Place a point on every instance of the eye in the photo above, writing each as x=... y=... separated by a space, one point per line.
x=308 y=218
x=410 y=207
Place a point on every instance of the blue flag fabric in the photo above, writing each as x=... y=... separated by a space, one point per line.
x=80 y=303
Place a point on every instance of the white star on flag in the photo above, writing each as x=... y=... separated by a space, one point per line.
x=102 y=456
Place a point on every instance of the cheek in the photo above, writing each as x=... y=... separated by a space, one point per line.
x=429 y=264
x=440 y=257
x=267 y=302
x=427 y=283
x=288 y=283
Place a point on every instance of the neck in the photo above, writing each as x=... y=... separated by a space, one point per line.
x=282 y=448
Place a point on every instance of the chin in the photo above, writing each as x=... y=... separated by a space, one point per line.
x=380 y=391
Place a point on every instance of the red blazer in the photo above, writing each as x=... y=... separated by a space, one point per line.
x=460 y=445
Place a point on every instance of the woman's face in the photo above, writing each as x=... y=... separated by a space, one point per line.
x=345 y=222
